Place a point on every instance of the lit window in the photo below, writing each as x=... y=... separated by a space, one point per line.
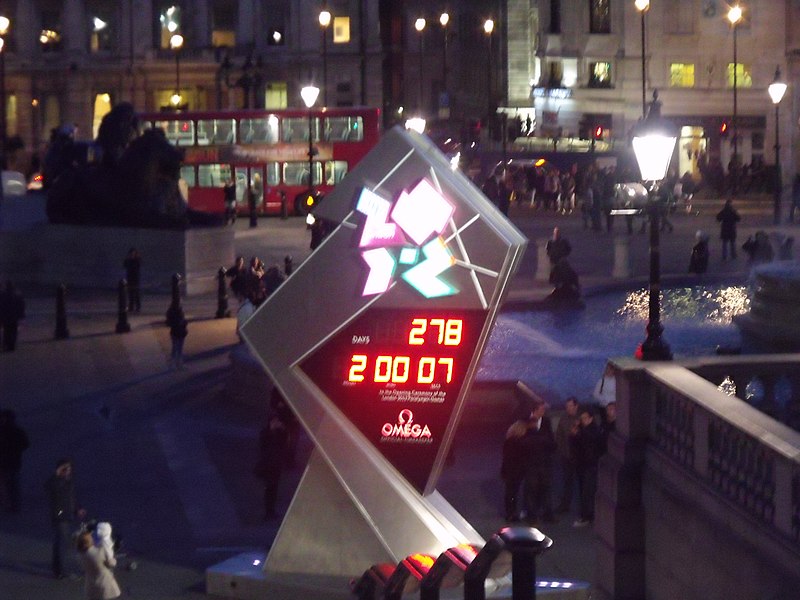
x=681 y=75
x=102 y=106
x=600 y=75
x=50 y=34
x=169 y=22
x=744 y=77
x=101 y=25
x=341 y=30
x=223 y=24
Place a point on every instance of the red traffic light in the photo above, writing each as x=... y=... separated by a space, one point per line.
x=598 y=132
x=723 y=129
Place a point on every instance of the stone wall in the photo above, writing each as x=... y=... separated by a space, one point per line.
x=91 y=257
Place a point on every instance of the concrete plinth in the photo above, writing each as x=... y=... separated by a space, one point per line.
x=92 y=257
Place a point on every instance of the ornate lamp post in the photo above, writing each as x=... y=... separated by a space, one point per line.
x=175 y=44
x=324 y=23
x=643 y=6
x=488 y=29
x=309 y=94
x=5 y=23
x=444 y=20
x=776 y=91
x=653 y=144
x=735 y=17
x=419 y=25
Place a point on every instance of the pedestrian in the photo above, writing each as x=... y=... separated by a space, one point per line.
x=237 y=274
x=566 y=458
x=557 y=247
x=605 y=390
x=64 y=509
x=587 y=444
x=758 y=248
x=99 y=582
x=698 y=262
x=540 y=446
x=229 y=194
x=13 y=310
x=728 y=217
x=273 y=441
x=13 y=442
x=566 y=285
x=178 y=330
x=513 y=468
x=786 y=249
x=133 y=271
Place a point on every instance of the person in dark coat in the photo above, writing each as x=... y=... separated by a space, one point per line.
x=566 y=285
x=728 y=217
x=273 y=442
x=540 y=446
x=64 y=509
x=12 y=311
x=133 y=271
x=513 y=468
x=557 y=247
x=237 y=275
x=698 y=262
x=13 y=442
x=588 y=447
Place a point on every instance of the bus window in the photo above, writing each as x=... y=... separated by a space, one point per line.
x=344 y=129
x=273 y=173
x=187 y=174
x=295 y=129
x=214 y=175
x=241 y=185
x=259 y=131
x=296 y=173
x=215 y=131
x=335 y=170
x=179 y=133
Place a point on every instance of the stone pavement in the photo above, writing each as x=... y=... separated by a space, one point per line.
x=166 y=456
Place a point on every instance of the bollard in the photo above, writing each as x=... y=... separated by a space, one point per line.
x=284 y=207
x=175 y=303
x=122 y=307
x=252 y=206
x=222 y=295
x=288 y=265
x=622 y=258
x=448 y=570
x=524 y=544
x=62 y=332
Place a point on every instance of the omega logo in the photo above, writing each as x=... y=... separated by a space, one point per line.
x=405 y=428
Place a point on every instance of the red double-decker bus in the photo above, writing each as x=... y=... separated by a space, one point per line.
x=265 y=152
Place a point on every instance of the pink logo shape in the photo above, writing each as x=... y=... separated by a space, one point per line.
x=422 y=212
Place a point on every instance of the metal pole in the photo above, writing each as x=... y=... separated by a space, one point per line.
x=444 y=65
x=778 y=178
x=3 y=105
x=655 y=347
x=489 y=78
x=178 y=74
x=310 y=154
x=325 y=66
x=420 y=72
x=735 y=163
x=644 y=68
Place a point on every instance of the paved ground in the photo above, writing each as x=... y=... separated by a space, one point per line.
x=166 y=456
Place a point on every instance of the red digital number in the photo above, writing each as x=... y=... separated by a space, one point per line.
x=448 y=331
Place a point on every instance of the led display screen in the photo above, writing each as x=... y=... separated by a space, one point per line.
x=396 y=374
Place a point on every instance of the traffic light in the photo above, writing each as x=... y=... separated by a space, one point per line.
x=723 y=129
x=598 y=132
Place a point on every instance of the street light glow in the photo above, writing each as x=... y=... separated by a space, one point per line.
x=777 y=88
x=488 y=26
x=176 y=41
x=324 y=18
x=5 y=23
x=309 y=94
x=735 y=14
x=444 y=19
x=642 y=5
x=419 y=24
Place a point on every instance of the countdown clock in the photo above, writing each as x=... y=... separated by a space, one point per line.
x=396 y=374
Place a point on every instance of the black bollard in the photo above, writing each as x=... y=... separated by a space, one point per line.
x=252 y=205
x=122 y=307
x=284 y=207
x=175 y=303
x=222 y=295
x=288 y=265
x=62 y=332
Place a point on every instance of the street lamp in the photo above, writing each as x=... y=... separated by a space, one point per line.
x=309 y=94
x=776 y=91
x=488 y=28
x=444 y=19
x=643 y=6
x=5 y=23
x=735 y=17
x=419 y=25
x=324 y=23
x=175 y=44
x=653 y=144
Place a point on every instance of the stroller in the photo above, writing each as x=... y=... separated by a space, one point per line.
x=103 y=536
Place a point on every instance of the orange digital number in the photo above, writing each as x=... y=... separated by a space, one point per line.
x=357 y=367
x=416 y=336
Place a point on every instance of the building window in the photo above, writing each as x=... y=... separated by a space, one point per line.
x=102 y=106
x=681 y=75
x=341 y=30
x=555 y=75
x=223 y=24
x=599 y=16
x=50 y=35
x=101 y=26
x=743 y=76
x=11 y=115
x=169 y=23
x=600 y=75
x=555 y=16
x=276 y=95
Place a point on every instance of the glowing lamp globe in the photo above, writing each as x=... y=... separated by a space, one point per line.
x=309 y=94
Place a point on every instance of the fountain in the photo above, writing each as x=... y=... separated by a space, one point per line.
x=773 y=323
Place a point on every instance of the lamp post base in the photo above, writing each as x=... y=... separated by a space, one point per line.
x=654 y=347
